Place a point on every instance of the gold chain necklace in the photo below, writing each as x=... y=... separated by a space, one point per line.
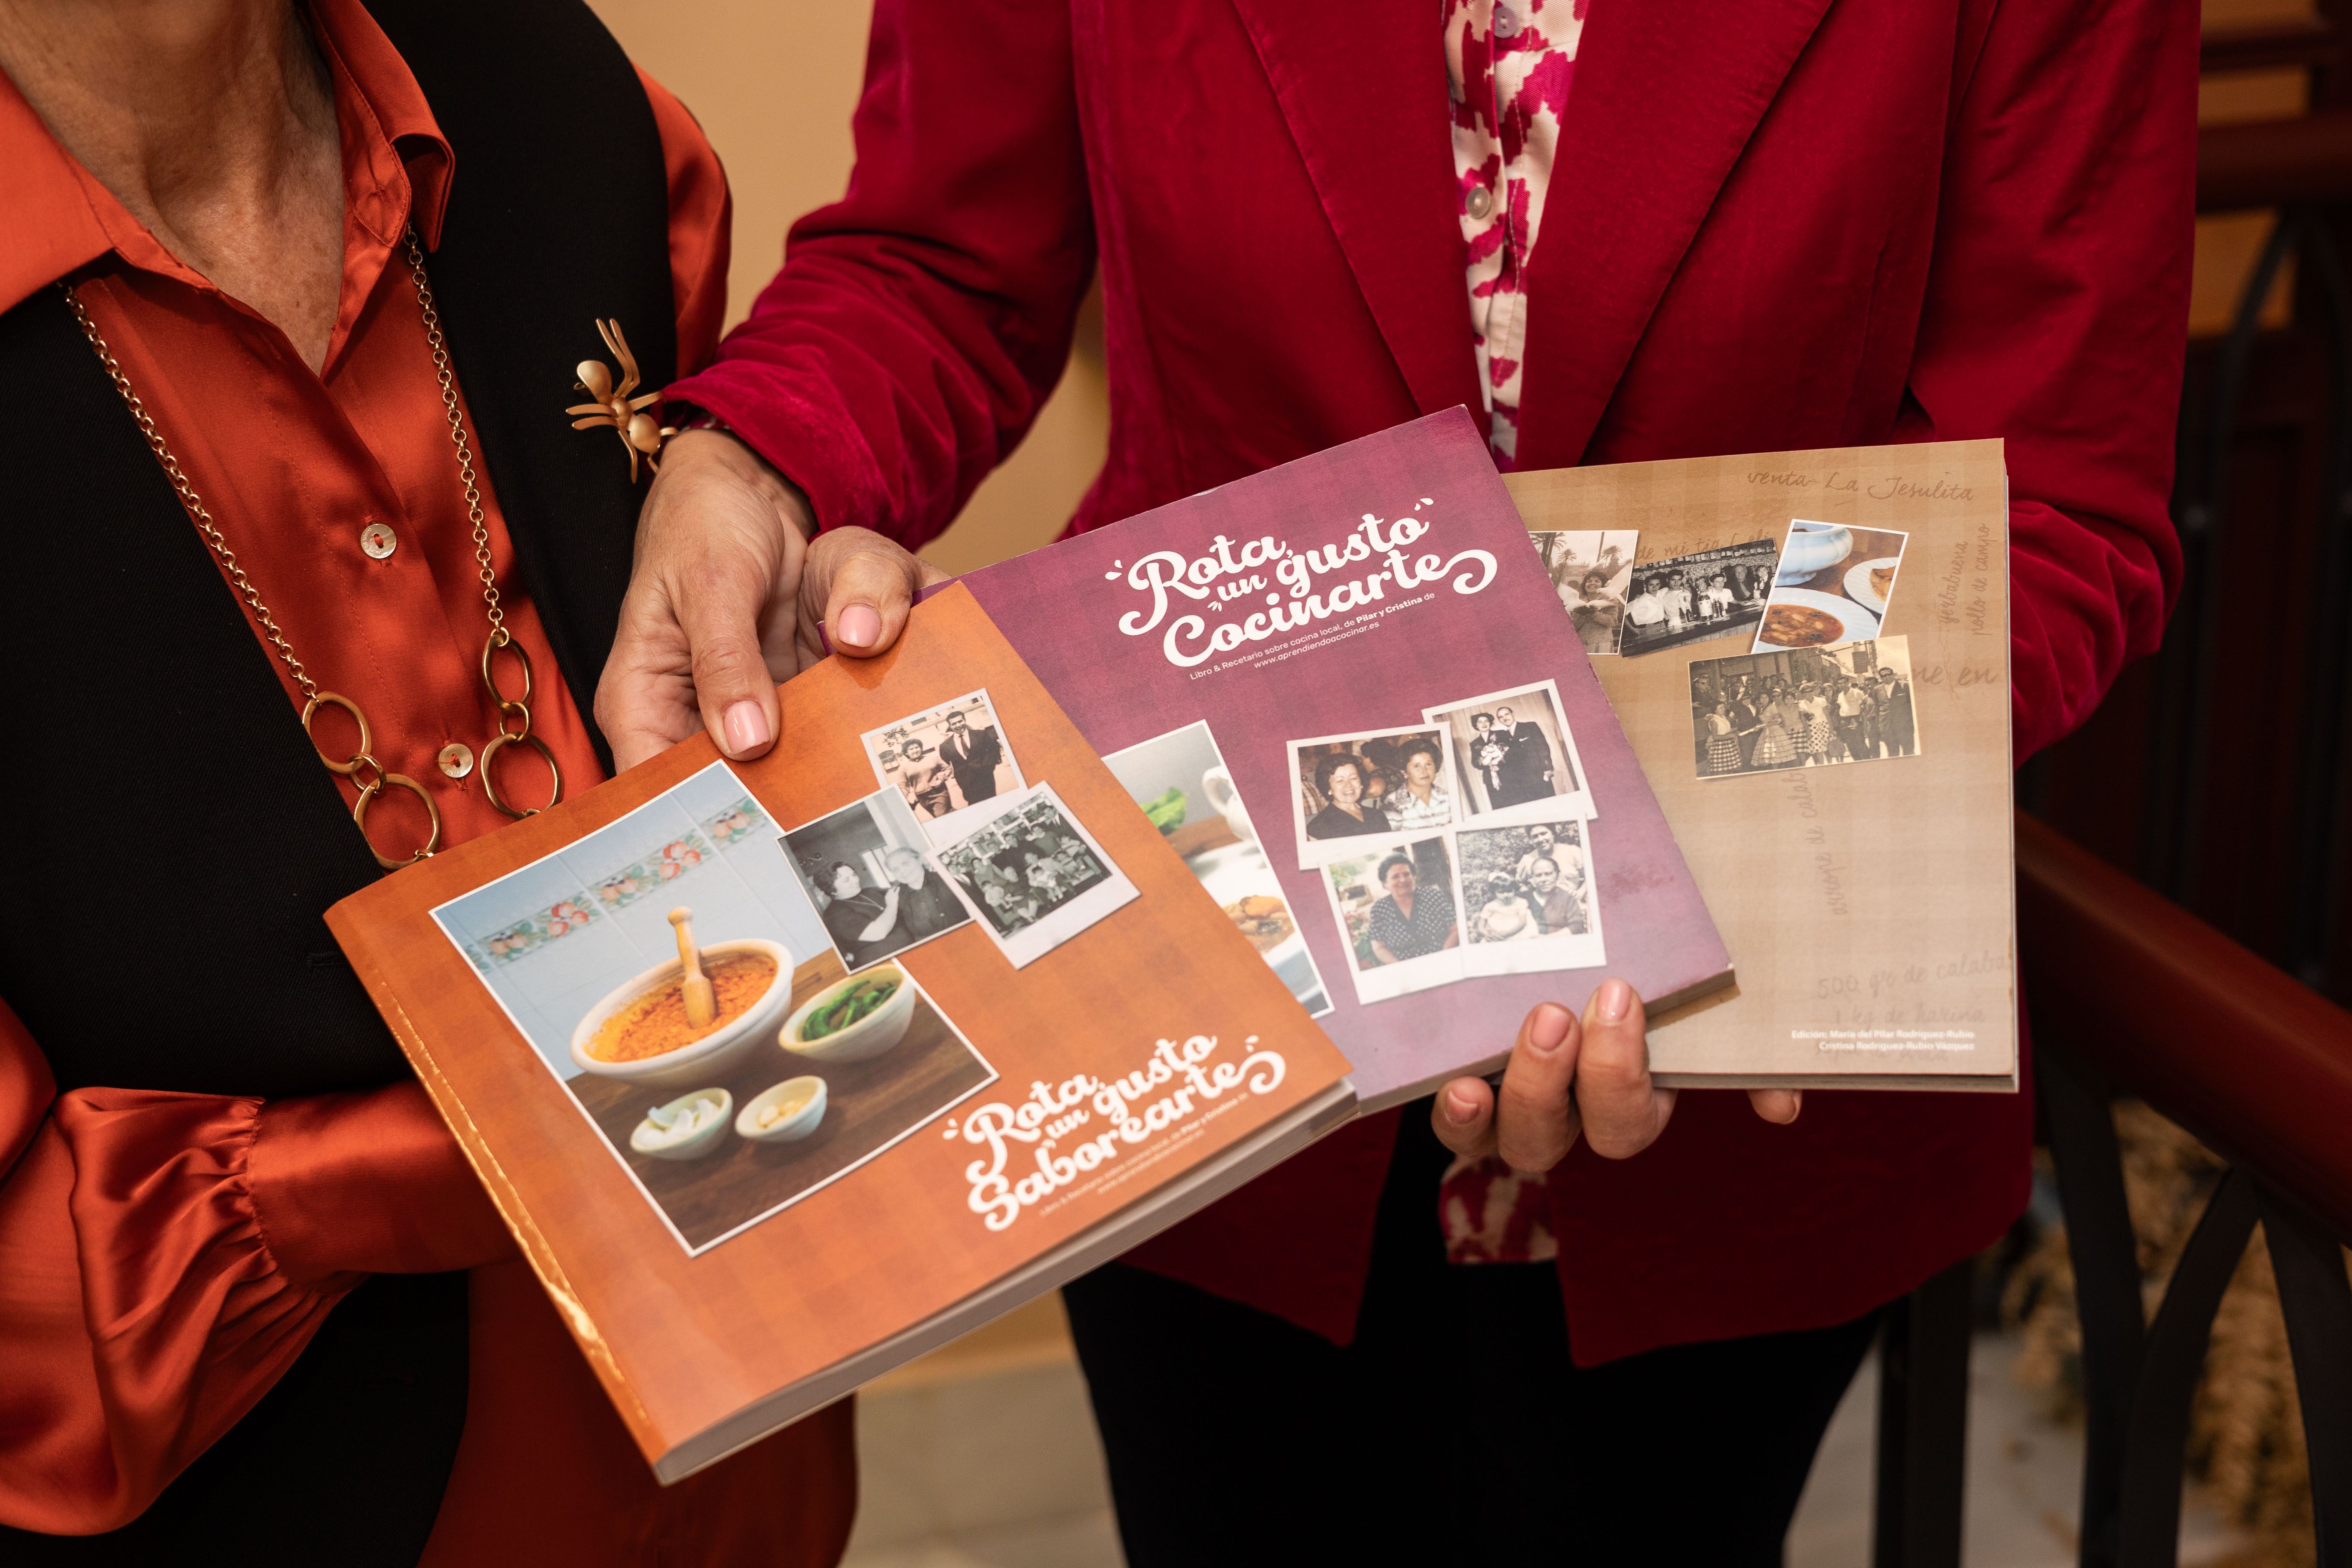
x=362 y=767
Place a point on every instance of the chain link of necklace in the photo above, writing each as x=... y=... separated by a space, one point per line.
x=370 y=776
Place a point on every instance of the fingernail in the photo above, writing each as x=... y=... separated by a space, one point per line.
x=859 y=627
x=1612 y=1001
x=1459 y=1107
x=1549 y=1027
x=747 y=726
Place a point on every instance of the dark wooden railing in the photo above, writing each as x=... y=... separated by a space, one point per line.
x=2128 y=993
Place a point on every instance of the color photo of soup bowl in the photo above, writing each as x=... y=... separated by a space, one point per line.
x=639 y=1033
x=854 y=1019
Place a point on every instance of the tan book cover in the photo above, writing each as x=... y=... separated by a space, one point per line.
x=970 y=1027
x=1826 y=725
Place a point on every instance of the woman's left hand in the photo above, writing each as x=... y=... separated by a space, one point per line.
x=1567 y=1078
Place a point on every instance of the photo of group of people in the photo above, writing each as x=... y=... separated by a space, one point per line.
x=948 y=762
x=1593 y=571
x=1803 y=708
x=867 y=869
x=1707 y=594
x=1034 y=876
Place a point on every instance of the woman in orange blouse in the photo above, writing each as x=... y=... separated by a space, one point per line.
x=250 y=203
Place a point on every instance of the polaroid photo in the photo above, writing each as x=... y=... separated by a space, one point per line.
x=1696 y=598
x=951 y=763
x=1593 y=571
x=1514 y=757
x=867 y=868
x=1834 y=583
x=1375 y=783
x=1802 y=708
x=1181 y=781
x=1397 y=916
x=1528 y=899
x=1032 y=877
x=581 y=950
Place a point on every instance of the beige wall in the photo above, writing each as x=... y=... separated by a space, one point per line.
x=774 y=85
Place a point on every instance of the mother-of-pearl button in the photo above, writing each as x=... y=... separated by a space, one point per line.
x=1482 y=202
x=378 y=540
x=456 y=759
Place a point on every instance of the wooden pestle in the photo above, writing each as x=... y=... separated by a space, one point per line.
x=701 y=997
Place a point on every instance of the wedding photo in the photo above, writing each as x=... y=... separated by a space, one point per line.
x=1592 y=570
x=1527 y=900
x=1398 y=919
x=1691 y=598
x=946 y=762
x=1514 y=757
x=867 y=869
x=1372 y=784
x=1034 y=875
x=1802 y=708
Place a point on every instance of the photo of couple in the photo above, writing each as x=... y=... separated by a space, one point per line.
x=868 y=871
x=1366 y=785
x=1803 y=708
x=945 y=762
x=1514 y=757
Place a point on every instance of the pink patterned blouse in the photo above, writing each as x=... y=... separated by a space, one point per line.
x=1508 y=64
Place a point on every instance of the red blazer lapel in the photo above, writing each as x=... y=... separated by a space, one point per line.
x=1665 y=96
x=1362 y=88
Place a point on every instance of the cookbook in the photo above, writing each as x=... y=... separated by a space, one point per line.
x=1814 y=673
x=1346 y=690
x=785 y=1072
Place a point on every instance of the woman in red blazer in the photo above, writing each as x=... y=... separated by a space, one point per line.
x=1781 y=224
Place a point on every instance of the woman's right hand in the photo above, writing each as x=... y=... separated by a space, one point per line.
x=731 y=583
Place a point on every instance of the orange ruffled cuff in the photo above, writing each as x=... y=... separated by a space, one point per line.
x=164 y=1258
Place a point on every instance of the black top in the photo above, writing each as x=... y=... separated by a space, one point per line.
x=1332 y=823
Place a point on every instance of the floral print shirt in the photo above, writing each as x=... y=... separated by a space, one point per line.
x=1508 y=67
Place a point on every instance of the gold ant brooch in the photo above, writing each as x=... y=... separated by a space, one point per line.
x=613 y=408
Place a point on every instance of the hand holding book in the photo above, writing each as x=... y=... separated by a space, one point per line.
x=1568 y=1078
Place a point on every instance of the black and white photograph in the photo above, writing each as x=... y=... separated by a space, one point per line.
x=1802 y=708
x=1834 y=583
x=949 y=762
x=1398 y=919
x=1691 y=598
x=1593 y=571
x=867 y=868
x=1527 y=900
x=1514 y=757
x=1033 y=876
x=1181 y=781
x=1375 y=785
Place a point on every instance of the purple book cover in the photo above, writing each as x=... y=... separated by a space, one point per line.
x=1439 y=823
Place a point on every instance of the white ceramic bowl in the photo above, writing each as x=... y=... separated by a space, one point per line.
x=1811 y=549
x=791 y=1129
x=1860 y=624
x=709 y=1057
x=867 y=1038
x=650 y=1138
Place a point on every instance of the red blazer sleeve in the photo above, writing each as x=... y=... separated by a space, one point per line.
x=2056 y=317
x=918 y=323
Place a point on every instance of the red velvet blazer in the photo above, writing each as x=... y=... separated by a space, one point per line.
x=1773 y=224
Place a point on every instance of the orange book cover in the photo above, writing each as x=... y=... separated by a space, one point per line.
x=784 y=1072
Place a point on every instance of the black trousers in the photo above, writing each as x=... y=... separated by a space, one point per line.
x=1453 y=1430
